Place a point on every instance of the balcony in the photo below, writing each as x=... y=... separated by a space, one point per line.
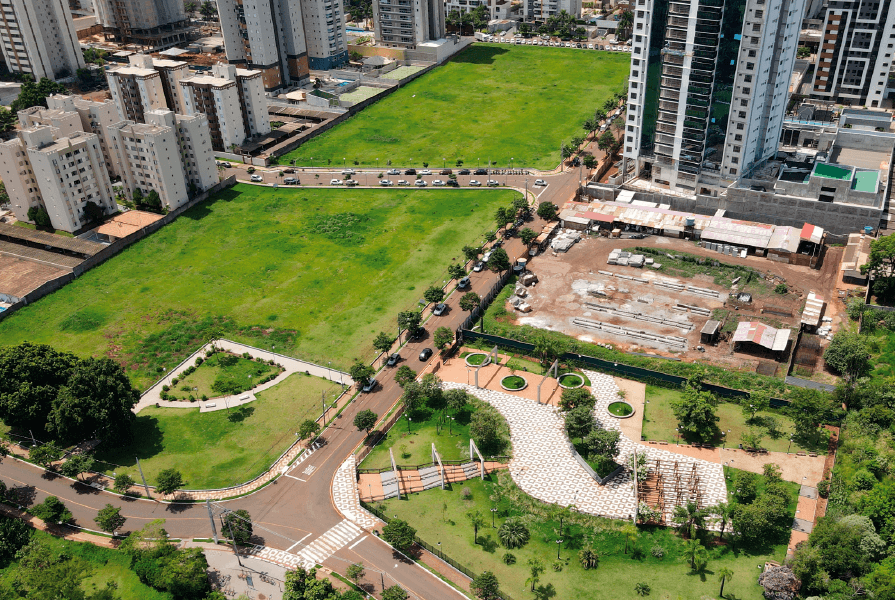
x=672 y=71
x=667 y=82
x=669 y=106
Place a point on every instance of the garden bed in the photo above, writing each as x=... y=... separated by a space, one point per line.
x=221 y=374
x=570 y=381
x=477 y=359
x=513 y=383
x=620 y=409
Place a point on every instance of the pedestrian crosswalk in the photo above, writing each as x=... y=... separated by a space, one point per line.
x=331 y=542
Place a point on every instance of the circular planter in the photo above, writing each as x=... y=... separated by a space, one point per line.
x=484 y=360
x=513 y=383
x=620 y=409
x=570 y=378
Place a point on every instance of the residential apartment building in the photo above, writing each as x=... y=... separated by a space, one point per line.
x=234 y=102
x=171 y=72
x=541 y=10
x=708 y=85
x=37 y=37
x=60 y=173
x=151 y=24
x=408 y=23
x=136 y=88
x=855 y=52
x=283 y=39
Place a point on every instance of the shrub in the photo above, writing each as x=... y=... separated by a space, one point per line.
x=165 y=388
x=658 y=552
x=174 y=381
x=467 y=494
x=642 y=589
x=864 y=480
x=557 y=565
x=780 y=288
x=199 y=361
x=823 y=488
x=509 y=559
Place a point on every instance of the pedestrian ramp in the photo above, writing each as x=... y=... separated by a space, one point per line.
x=430 y=477
x=389 y=485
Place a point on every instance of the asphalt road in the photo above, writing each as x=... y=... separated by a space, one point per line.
x=293 y=512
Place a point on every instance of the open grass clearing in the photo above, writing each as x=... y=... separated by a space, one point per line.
x=440 y=516
x=315 y=273
x=225 y=447
x=488 y=103
x=659 y=424
x=411 y=442
x=230 y=378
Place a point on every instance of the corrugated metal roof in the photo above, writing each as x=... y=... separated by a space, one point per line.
x=761 y=334
x=811 y=233
x=784 y=238
x=814 y=307
x=741 y=233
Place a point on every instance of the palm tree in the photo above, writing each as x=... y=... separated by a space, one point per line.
x=589 y=558
x=724 y=574
x=548 y=349
x=535 y=567
x=513 y=534
x=625 y=21
x=691 y=550
x=689 y=516
x=610 y=104
x=190 y=8
x=208 y=10
x=724 y=512
x=477 y=520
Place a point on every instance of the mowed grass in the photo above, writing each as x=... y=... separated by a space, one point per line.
x=490 y=102
x=412 y=445
x=315 y=272
x=660 y=424
x=222 y=448
x=199 y=383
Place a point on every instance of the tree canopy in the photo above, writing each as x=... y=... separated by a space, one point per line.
x=880 y=266
x=34 y=93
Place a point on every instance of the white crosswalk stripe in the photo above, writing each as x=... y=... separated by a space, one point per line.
x=330 y=542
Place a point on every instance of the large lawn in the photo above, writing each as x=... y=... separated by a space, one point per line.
x=441 y=517
x=490 y=102
x=315 y=272
x=222 y=448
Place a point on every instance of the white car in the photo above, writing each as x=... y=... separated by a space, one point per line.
x=257 y=178
x=385 y=182
x=348 y=172
x=475 y=183
x=420 y=183
x=438 y=182
x=394 y=172
x=492 y=183
x=590 y=46
x=425 y=172
x=403 y=182
x=335 y=182
x=540 y=182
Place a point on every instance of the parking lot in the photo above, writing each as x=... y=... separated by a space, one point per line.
x=556 y=43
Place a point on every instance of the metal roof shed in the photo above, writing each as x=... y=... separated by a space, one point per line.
x=763 y=335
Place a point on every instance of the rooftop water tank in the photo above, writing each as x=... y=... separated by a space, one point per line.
x=691 y=221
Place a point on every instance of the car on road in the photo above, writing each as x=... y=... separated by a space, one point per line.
x=394 y=171
x=291 y=181
x=410 y=172
x=540 y=182
x=452 y=183
x=439 y=309
x=518 y=223
x=335 y=182
x=289 y=171
x=351 y=182
x=385 y=182
x=420 y=183
x=474 y=182
x=447 y=172
x=638 y=236
x=463 y=172
x=487 y=257
x=226 y=165
x=438 y=182
x=478 y=266
x=492 y=183
x=257 y=178
x=348 y=172
x=463 y=283
x=393 y=359
x=481 y=171
x=371 y=385
x=425 y=172
x=425 y=354
x=403 y=182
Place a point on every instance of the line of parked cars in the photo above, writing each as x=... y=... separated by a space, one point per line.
x=518 y=40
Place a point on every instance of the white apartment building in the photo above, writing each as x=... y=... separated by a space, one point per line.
x=196 y=153
x=38 y=37
x=708 y=85
x=408 y=23
x=136 y=88
x=234 y=102
x=284 y=39
x=541 y=10
x=855 y=53
x=171 y=72
x=60 y=173
x=154 y=24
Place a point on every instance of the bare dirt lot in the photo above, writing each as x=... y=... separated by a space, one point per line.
x=572 y=296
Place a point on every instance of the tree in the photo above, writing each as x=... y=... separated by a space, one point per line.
x=606 y=142
x=849 y=355
x=409 y=320
x=528 y=235
x=471 y=252
x=123 y=483
x=499 y=261
x=52 y=510
x=93 y=212
x=512 y=533
x=696 y=554
x=35 y=93
x=43 y=573
x=485 y=427
x=365 y=420
x=455 y=399
x=574 y=397
x=355 y=572
x=880 y=266
x=579 y=422
x=39 y=216
x=547 y=211
x=456 y=271
x=476 y=520
x=394 y=592
x=442 y=337
x=190 y=7
x=610 y=104
x=589 y=558
x=625 y=22
x=207 y=10
x=361 y=373
x=45 y=454
x=433 y=294
x=502 y=216
x=383 y=342
x=590 y=161
x=723 y=512
x=724 y=575
x=603 y=443
x=757 y=401
x=14 y=533
x=695 y=411
x=77 y=464
x=485 y=586
x=535 y=568
x=629 y=530
x=809 y=410
x=169 y=481
x=470 y=301
x=688 y=517
x=404 y=375
x=238 y=526
x=399 y=534
x=548 y=348
x=109 y=519
x=7 y=120
x=308 y=429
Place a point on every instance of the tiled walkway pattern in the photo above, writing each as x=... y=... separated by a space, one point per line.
x=345 y=496
x=544 y=467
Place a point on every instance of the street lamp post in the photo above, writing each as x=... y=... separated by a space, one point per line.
x=558 y=547
x=493 y=510
x=451 y=426
x=790 y=445
x=408 y=425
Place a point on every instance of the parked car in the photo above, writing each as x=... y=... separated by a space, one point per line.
x=291 y=181
x=420 y=183
x=394 y=171
x=487 y=257
x=351 y=182
x=347 y=171
x=481 y=171
x=478 y=266
x=385 y=182
x=439 y=309
x=475 y=183
x=403 y=182
x=540 y=182
x=447 y=172
x=371 y=385
x=638 y=236
x=463 y=172
x=463 y=283
x=425 y=172
x=438 y=183
x=226 y=165
x=257 y=178
x=335 y=182
x=452 y=183
x=492 y=183
x=425 y=354
x=393 y=359
x=410 y=172
x=289 y=171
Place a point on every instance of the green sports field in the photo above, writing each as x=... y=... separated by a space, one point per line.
x=317 y=273
x=490 y=102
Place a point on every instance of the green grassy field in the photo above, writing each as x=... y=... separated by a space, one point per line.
x=660 y=424
x=221 y=448
x=317 y=273
x=413 y=445
x=440 y=516
x=490 y=102
x=199 y=383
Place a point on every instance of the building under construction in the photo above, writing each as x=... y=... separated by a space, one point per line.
x=148 y=24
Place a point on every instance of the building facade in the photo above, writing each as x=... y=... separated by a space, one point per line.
x=408 y=23
x=708 y=85
x=541 y=10
x=37 y=37
x=855 y=52
x=136 y=88
x=152 y=24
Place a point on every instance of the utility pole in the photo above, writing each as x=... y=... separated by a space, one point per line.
x=323 y=404
x=232 y=539
x=145 y=485
x=214 y=530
